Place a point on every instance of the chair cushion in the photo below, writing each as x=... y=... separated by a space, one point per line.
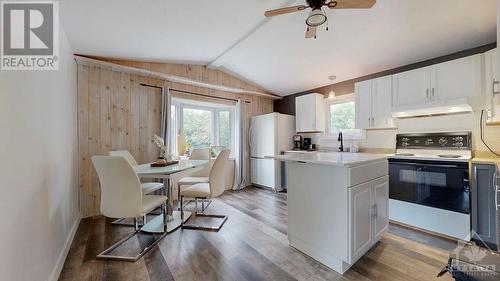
x=192 y=180
x=197 y=190
x=151 y=202
x=149 y=187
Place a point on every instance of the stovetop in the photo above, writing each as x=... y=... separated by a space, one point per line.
x=434 y=147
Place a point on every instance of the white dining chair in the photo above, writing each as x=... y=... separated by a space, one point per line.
x=201 y=176
x=147 y=187
x=122 y=197
x=214 y=188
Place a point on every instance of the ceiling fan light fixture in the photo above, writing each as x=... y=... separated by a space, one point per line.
x=316 y=18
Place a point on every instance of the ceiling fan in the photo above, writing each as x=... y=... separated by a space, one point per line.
x=317 y=16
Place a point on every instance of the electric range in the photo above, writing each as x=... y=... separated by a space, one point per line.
x=429 y=182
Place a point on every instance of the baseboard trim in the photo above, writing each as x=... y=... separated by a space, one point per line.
x=440 y=235
x=54 y=276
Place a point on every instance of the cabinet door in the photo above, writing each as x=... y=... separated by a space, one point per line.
x=483 y=203
x=491 y=82
x=381 y=200
x=319 y=124
x=361 y=206
x=305 y=113
x=411 y=88
x=382 y=102
x=460 y=78
x=363 y=103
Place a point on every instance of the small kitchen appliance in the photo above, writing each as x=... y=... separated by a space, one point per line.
x=297 y=142
x=307 y=144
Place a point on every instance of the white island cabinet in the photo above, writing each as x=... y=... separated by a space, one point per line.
x=337 y=205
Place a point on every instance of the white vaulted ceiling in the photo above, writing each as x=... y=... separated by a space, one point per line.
x=235 y=36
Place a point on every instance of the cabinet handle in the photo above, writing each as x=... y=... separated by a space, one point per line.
x=432 y=92
x=495 y=83
x=427 y=93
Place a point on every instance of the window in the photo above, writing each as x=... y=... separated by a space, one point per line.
x=204 y=124
x=342 y=117
x=197 y=127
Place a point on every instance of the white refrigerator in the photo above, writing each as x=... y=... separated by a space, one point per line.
x=269 y=134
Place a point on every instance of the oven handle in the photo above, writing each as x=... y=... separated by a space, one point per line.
x=427 y=165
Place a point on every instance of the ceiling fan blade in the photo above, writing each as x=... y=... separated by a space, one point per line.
x=351 y=4
x=311 y=32
x=287 y=10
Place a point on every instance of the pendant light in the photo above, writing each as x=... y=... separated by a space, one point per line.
x=331 y=94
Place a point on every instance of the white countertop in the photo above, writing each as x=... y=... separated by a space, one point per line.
x=345 y=159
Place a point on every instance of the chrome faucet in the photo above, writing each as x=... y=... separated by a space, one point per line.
x=341 y=140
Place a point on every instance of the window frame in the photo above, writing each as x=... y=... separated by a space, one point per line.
x=330 y=134
x=214 y=120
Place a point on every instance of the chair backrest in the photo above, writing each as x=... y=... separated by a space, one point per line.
x=201 y=154
x=125 y=154
x=218 y=174
x=121 y=192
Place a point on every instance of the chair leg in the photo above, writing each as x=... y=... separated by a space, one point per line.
x=179 y=197
x=182 y=211
x=106 y=256
x=200 y=227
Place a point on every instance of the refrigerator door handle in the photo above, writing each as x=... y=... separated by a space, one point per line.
x=250 y=137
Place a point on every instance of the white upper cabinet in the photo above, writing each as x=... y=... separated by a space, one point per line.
x=381 y=102
x=411 y=87
x=373 y=101
x=491 y=86
x=454 y=82
x=310 y=113
x=363 y=103
x=457 y=79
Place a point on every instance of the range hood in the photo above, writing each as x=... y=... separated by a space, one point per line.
x=432 y=111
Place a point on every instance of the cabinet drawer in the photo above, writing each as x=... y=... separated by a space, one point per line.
x=370 y=171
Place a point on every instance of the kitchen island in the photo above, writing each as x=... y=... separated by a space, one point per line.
x=337 y=204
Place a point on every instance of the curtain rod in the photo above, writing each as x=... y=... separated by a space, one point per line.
x=191 y=93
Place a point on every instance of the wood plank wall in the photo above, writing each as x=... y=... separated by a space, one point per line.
x=116 y=113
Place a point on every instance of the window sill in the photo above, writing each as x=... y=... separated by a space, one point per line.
x=345 y=137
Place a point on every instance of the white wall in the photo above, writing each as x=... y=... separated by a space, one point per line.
x=38 y=169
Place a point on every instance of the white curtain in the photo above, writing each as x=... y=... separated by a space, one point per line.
x=166 y=130
x=240 y=153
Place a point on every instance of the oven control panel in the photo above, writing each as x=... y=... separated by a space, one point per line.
x=462 y=140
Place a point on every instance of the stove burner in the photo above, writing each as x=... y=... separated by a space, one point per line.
x=449 y=156
x=404 y=154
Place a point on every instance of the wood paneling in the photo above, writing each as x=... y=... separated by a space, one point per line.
x=252 y=245
x=287 y=104
x=116 y=113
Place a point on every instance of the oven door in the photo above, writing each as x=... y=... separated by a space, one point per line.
x=438 y=184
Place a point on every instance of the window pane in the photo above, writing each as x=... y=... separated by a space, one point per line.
x=342 y=117
x=196 y=126
x=224 y=129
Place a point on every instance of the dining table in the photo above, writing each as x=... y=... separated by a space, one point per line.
x=166 y=174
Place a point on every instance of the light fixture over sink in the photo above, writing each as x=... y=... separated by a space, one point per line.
x=331 y=94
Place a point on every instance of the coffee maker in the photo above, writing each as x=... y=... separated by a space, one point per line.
x=307 y=144
x=297 y=142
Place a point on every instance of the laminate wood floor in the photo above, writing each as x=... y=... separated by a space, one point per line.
x=252 y=245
